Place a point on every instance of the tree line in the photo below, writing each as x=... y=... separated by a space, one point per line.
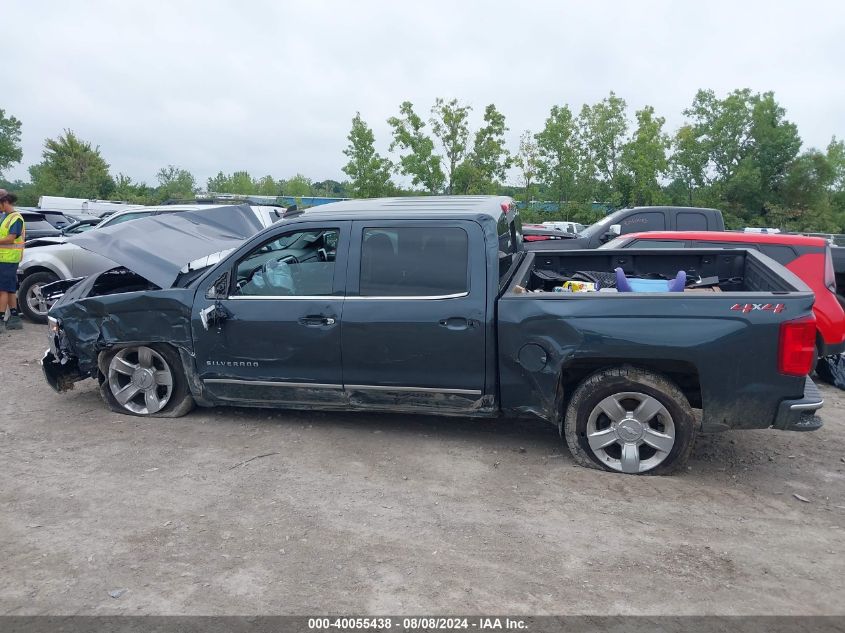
x=737 y=153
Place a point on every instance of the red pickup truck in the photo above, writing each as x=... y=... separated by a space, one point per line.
x=808 y=257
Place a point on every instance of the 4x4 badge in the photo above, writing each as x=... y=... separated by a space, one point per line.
x=748 y=307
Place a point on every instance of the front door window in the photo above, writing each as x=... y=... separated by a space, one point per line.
x=300 y=264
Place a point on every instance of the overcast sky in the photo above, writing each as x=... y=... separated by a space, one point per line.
x=271 y=86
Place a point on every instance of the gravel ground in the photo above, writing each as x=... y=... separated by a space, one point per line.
x=237 y=511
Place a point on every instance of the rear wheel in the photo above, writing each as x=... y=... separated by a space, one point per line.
x=145 y=380
x=631 y=421
x=30 y=301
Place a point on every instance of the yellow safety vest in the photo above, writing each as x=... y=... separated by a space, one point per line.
x=12 y=253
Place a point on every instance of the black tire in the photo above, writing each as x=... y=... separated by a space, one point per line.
x=35 y=279
x=178 y=403
x=616 y=383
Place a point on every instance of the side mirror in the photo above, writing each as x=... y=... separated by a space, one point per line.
x=220 y=289
x=614 y=230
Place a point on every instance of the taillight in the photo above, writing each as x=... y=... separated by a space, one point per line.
x=829 y=274
x=797 y=346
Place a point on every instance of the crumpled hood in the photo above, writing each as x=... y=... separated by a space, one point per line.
x=158 y=247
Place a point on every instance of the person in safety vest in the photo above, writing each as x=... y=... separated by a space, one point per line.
x=12 y=236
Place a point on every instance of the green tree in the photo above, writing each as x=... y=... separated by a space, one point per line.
x=603 y=129
x=486 y=166
x=72 y=167
x=419 y=161
x=268 y=186
x=10 y=141
x=688 y=164
x=450 y=124
x=175 y=183
x=126 y=190
x=644 y=158
x=557 y=145
x=239 y=182
x=529 y=163
x=369 y=173
x=298 y=186
x=749 y=145
x=807 y=182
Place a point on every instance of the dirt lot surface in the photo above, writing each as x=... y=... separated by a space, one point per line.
x=366 y=514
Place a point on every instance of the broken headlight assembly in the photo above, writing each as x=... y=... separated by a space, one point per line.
x=54 y=326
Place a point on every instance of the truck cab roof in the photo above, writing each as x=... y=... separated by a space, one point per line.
x=417 y=207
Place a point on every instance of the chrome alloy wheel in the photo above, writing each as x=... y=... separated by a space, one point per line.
x=36 y=301
x=630 y=432
x=140 y=380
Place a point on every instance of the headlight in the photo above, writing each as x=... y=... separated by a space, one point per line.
x=53 y=325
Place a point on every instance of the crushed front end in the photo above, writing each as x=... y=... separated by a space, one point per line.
x=60 y=368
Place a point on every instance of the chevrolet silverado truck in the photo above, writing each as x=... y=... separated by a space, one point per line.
x=431 y=305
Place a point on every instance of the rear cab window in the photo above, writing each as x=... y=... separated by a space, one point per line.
x=691 y=221
x=509 y=231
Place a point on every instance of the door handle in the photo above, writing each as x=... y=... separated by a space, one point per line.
x=457 y=323
x=317 y=320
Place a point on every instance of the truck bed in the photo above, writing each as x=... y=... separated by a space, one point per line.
x=738 y=270
x=711 y=343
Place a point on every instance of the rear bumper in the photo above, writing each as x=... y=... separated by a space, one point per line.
x=800 y=415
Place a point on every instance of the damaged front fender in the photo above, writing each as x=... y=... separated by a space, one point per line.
x=92 y=320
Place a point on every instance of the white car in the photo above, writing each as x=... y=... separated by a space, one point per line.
x=567 y=227
x=50 y=259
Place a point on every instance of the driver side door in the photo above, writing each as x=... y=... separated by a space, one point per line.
x=278 y=339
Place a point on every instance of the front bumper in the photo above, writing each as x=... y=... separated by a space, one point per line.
x=800 y=415
x=60 y=375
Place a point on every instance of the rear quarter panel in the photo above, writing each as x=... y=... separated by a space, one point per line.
x=734 y=354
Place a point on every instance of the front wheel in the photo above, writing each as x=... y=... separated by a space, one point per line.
x=144 y=380
x=33 y=305
x=629 y=420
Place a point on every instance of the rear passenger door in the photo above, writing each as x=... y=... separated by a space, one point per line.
x=413 y=332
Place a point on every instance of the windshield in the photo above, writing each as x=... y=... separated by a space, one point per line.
x=601 y=227
x=124 y=217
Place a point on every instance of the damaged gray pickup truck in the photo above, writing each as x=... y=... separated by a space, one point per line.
x=431 y=305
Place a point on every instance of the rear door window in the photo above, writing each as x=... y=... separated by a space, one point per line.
x=691 y=221
x=414 y=262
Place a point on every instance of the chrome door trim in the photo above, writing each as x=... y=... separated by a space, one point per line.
x=467 y=392
x=457 y=295
x=287 y=298
x=273 y=383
